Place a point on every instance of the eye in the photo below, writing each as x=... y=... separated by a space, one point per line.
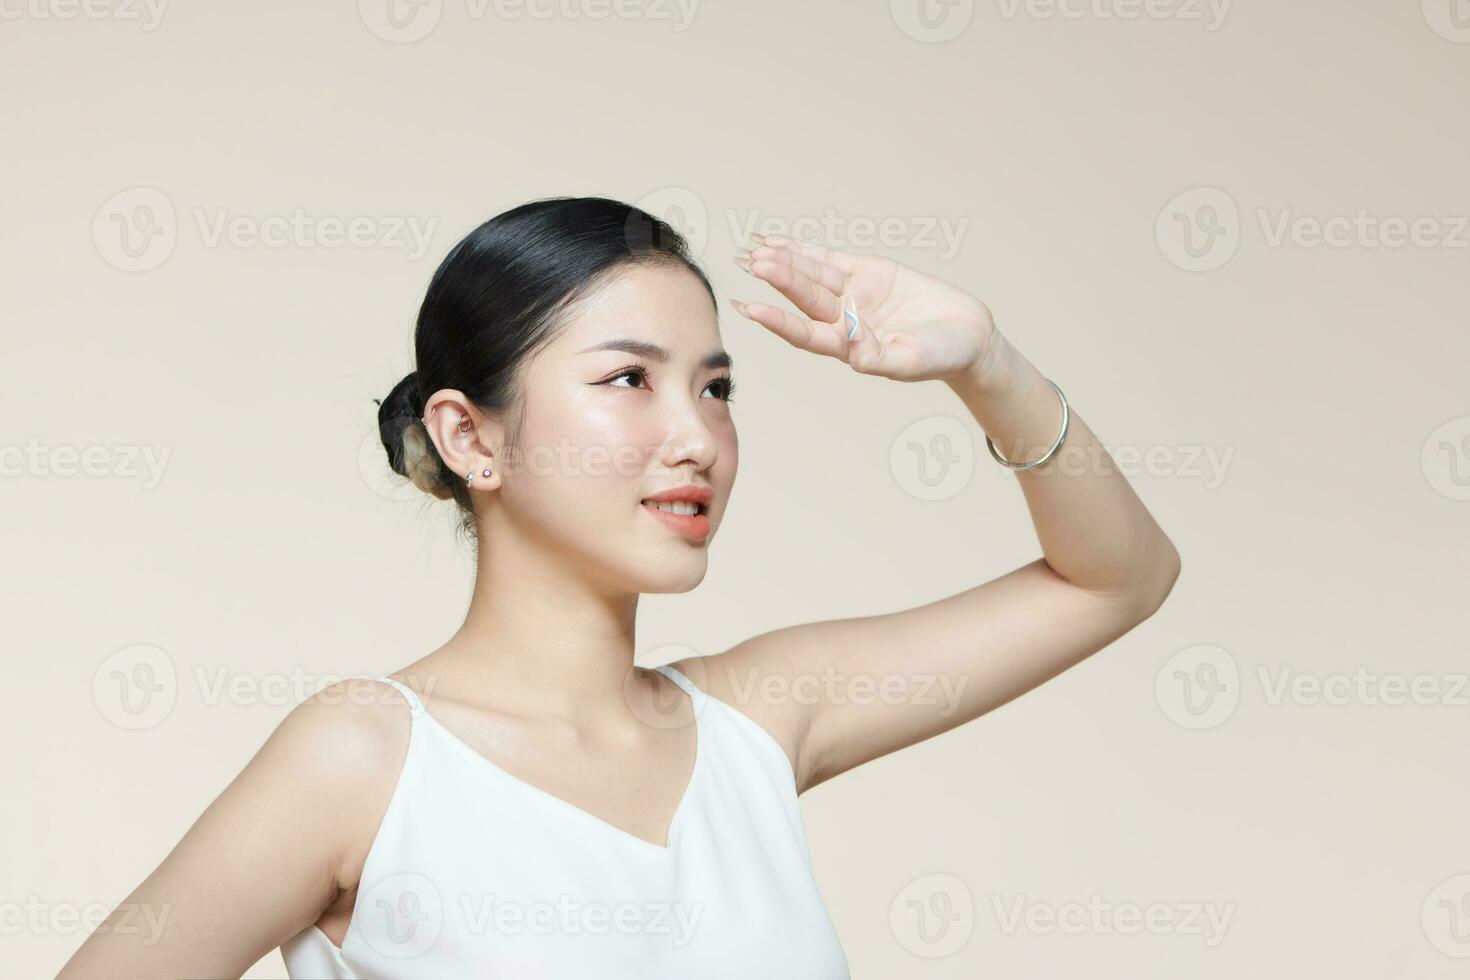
x=727 y=385
x=631 y=370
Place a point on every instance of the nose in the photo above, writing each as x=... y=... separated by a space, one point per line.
x=689 y=438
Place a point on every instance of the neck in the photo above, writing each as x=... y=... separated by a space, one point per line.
x=538 y=636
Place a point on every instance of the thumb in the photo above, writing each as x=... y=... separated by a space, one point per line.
x=864 y=350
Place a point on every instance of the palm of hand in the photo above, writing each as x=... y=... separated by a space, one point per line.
x=909 y=326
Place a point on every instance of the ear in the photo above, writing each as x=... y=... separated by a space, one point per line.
x=468 y=441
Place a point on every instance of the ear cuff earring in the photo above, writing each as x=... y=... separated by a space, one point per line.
x=464 y=422
x=464 y=426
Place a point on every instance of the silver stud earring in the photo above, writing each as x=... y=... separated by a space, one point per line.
x=485 y=471
x=469 y=478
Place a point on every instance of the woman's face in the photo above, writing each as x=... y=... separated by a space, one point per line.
x=627 y=402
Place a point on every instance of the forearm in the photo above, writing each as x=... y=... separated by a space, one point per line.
x=1093 y=529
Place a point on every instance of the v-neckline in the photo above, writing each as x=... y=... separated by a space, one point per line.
x=675 y=821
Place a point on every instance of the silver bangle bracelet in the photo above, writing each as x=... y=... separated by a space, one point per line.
x=1066 y=420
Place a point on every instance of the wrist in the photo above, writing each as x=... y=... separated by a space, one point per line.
x=989 y=373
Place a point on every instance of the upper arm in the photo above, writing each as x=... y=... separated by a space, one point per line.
x=841 y=692
x=265 y=857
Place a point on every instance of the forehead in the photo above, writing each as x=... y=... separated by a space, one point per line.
x=663 y=304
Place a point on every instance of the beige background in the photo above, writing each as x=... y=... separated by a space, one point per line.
x=1296 y=413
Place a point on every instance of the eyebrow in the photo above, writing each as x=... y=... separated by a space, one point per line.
x=642 y=348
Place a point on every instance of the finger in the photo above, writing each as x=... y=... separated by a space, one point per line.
x=798 y=282
x=829 y=277
x=844 y=262
x=865 y=352
x=798 y=331
x=890 y=356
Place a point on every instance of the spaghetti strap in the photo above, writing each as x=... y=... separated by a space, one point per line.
x=415 y=705
x=461 y=838
x=677 y=676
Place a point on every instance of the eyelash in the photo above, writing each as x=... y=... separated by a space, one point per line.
x=638 y=370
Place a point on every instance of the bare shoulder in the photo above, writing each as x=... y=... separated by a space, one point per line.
x=349 y=740
x=350 y=728
x=275 y=849
x=748 y=678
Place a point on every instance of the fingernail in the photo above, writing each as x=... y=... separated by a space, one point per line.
x=738 y=305
x=744 y=263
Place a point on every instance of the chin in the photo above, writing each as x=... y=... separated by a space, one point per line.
x=667 y=575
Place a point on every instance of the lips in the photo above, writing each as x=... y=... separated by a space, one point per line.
x=691 y=492
x=694 y=526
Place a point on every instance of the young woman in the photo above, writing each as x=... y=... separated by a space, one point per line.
x=523 y=801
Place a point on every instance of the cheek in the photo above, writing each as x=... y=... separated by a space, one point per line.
x=586 y=449
x=613 y=441
x=729 y=443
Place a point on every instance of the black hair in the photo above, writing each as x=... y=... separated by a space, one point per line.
x=498 y=297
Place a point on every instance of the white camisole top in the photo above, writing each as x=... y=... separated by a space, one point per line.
x=475 y=873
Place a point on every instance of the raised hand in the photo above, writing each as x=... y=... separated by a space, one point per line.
x=878 y=316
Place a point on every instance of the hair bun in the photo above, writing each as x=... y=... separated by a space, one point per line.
x=411 y=453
